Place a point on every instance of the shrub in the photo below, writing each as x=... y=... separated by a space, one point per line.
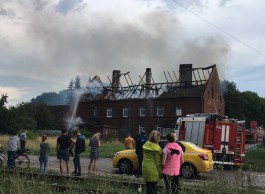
x=86 y=133
x=31 y=134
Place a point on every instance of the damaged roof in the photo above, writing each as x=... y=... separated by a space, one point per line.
x=190 y=83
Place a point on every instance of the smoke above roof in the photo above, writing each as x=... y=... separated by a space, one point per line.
x=57 y=40
x=100 y=42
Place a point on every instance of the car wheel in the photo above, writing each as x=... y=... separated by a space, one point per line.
x=125 y=166
x=188 y=171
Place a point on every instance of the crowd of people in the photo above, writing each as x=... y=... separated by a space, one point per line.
x=153 y=162
x=64 y=145
x=66 y=142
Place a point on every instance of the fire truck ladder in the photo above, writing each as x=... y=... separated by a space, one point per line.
x=239 y=144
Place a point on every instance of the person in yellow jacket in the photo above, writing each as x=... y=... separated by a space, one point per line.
x=152 y=162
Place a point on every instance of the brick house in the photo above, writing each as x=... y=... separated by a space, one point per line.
x=150 y=105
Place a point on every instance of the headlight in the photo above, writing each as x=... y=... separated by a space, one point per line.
x=117 y=153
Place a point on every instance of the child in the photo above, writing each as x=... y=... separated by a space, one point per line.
x=44 y=153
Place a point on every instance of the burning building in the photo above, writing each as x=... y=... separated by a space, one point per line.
x=148 y=105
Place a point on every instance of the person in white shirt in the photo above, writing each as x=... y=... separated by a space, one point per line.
x=23 y=139
x=12 y=147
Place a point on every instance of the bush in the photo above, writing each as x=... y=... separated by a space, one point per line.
x=86 y=133
x=31 y=134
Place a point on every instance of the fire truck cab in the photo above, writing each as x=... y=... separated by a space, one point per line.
x=225 y=137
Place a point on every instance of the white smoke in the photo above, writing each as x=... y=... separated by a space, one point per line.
x=93 y=88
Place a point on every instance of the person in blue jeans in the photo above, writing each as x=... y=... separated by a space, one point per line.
x=79 y=148
x=139 y=151
x=13 y=144
x=44 y=154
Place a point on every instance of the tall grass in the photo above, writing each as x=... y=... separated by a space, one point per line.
x=107 y=149
x=14 y=183
x=43 y=184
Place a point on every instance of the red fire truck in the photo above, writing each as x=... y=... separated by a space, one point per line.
x=225 y=137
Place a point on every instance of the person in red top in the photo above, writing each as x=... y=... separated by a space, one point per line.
x=172 y=160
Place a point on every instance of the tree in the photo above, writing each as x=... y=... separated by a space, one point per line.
x=22 y=117
x=77 y=82
x=254 y=107
x=234 y=102
x=50 y=98
x=246 y=105
x=3 y=100
x=71 y=85
x=45 y=119
x=32 y=117
x=4 y=114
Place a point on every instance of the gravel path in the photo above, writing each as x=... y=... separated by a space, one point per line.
x=104 y=165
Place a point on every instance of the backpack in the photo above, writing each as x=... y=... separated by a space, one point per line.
x=81 y=144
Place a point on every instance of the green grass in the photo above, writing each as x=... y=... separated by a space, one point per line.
x=42 y=184
x=256 y=156
x=107 y=148
x=108 y=151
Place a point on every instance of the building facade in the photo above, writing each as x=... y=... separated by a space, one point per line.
x=150 y=105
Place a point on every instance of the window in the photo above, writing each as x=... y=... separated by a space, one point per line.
x=125 y=112
x=109 y=112
x=160 y=111
x=94 y=112
x=163 y=131
x=166 y=131
x=178 y=111
x=142 y=111
x=217 y=97
x=159 y=128
x=141 y=127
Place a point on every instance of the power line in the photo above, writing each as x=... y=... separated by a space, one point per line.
x=221 y=30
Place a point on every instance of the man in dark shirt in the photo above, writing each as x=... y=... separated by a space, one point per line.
x=79 y=148
x=139 y=151
x=62 y=147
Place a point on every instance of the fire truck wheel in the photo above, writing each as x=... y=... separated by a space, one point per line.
x=188 y=171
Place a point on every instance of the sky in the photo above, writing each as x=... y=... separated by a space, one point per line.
x=46 y=43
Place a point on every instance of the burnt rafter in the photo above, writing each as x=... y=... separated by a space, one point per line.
x=147 y=88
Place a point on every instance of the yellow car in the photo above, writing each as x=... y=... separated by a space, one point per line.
x=196 y=160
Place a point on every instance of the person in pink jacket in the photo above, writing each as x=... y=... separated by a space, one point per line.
x=171 y=161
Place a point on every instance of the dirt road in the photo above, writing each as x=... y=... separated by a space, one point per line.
x=104 y=165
